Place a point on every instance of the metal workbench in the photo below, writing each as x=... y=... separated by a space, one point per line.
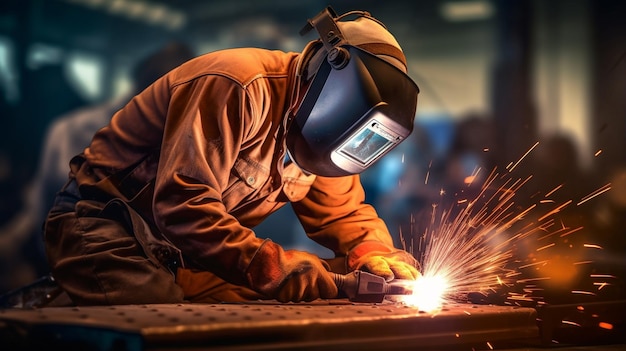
x=327 y=325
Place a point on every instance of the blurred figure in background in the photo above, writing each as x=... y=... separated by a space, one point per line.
x=558 y=162
x=21 y=244
x=557 y=176
x=472 y=155
x=49 y=94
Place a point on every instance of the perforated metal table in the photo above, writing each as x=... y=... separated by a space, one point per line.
x=327 y=325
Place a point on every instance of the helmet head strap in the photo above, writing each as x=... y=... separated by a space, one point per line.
x=330 y=35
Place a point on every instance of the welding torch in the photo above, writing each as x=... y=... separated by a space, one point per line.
x=361 y=286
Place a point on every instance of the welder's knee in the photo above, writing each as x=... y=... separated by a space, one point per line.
x=97 y=262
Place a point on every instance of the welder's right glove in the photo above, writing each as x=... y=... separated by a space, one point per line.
x=382 y=260
x=290 y=275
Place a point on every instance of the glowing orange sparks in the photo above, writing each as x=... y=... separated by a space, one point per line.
x=570 y=323
x=545 y=247
x=469 y=179
x=605 y=325
x=598 y=192
x=601 y=285
x=570 y=232
x=524 y=156
x=556 y=210
x=553 y=190
x=602 y=276
x=473 y=245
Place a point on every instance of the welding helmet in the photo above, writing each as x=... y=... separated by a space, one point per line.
x=359 y=104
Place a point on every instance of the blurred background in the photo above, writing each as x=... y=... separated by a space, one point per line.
x=496 y=77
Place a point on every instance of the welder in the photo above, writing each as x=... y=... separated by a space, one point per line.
x=159 y=207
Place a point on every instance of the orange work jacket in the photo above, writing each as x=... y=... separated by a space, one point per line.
x=208 y=139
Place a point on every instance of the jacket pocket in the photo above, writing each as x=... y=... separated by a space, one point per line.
x=246 y=177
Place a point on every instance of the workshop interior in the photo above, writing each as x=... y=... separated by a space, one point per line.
x=510 y=190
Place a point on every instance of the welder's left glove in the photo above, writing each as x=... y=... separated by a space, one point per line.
x=382 y=260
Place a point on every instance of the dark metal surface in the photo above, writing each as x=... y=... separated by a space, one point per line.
x=323 y=325
x=583 y=323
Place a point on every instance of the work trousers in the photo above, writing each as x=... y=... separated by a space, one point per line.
x=101 y=254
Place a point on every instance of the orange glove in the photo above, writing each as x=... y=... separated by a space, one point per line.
x=382 y=260
x=290 y=275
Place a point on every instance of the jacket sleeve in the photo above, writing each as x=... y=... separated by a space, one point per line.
x=206 y=124
x=335 y=215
